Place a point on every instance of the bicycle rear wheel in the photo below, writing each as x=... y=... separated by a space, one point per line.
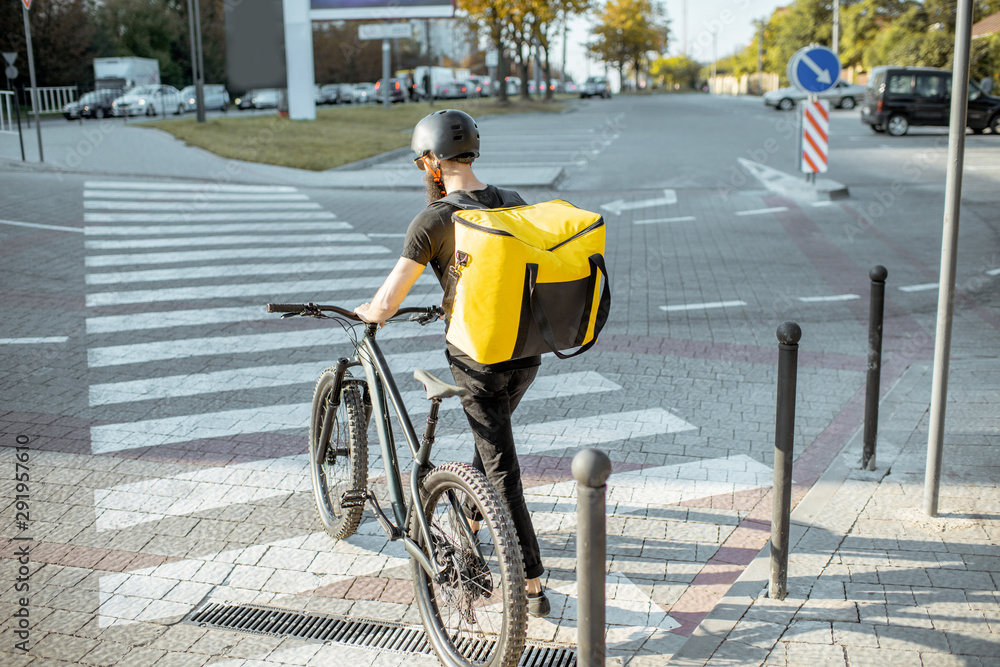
x=477 y=614
x=344 y=468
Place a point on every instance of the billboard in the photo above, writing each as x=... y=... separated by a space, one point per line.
x=348 y=10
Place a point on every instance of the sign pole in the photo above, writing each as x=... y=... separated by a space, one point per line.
x=949 y=251
x=31 y=75
x=386 y=54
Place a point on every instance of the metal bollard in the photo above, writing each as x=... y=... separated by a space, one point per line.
x=591 y=468
x=784 y=433
x=878 y=274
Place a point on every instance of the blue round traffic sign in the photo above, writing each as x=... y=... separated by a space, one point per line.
x=814 y=69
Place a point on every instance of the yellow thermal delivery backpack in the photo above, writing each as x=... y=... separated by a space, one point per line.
x=527 y=280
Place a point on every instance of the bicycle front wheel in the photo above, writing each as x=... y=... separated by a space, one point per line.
x=340 y=477
x=476 y=614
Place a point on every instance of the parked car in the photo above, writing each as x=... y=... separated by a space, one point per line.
x=479 y=86
x=898 y=97
x=513 y=85
x=596 y=86
x=453 y=90
x=215 y=94
x=96 y=104
x=364 y=92
x=842 y=95
x=262 y=98
x=147 y=100
x=396 y=90
x=337 y=93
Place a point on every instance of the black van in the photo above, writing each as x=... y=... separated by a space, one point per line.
x=898 y=97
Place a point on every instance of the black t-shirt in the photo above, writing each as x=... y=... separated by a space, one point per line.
x=430 y=239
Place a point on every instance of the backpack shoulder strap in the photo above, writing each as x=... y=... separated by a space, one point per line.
x=463 y=202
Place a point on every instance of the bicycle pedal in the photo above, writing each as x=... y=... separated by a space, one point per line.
x=392 y=531
x=353 y=499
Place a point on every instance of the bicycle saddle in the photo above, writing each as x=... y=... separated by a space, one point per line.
x=437 y=389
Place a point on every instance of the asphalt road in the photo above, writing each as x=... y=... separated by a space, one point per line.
x=138 y=361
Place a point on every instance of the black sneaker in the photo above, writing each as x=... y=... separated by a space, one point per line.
x=538 y=605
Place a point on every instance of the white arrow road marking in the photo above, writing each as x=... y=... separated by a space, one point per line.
x=703 y=306
x=177 y=257
x=284 y=567
x=822 y=75
x=619 y=205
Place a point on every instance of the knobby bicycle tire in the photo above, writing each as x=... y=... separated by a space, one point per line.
x=474 y=618
x=345 y=468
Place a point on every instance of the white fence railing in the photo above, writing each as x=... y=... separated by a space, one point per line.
x=7 y=102
x=53 y=99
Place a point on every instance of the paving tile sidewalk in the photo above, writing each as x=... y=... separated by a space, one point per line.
x=872 y=579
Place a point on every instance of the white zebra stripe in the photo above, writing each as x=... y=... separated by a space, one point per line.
x=317 y=289
x=205 y=217
x=175 y=386
x=565 y=433
x=174 y=318
x=224 y=228
x=179 y=257
x=197 y=207
x=139 y=353
x=182 y=196
x=194 y=241
x=183 y=187
x=221 y=270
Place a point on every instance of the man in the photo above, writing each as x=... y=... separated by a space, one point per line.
x=446 y=143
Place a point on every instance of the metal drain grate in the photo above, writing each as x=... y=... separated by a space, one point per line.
x=367 y=633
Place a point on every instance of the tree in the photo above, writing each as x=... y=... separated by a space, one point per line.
x=147 y=29
x=547 y=17
x=678 y=71
x=62 y=35
x=628 y=30
x=493 y=15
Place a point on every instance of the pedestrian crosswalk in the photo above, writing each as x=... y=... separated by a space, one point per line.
x=181 y=352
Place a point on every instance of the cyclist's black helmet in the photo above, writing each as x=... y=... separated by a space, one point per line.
x=450 y=134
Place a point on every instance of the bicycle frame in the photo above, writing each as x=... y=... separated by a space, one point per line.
x=384 y=392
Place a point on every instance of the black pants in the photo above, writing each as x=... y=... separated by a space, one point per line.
x=494 y=398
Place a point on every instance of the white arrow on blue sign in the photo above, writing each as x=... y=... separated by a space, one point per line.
x=814 y=69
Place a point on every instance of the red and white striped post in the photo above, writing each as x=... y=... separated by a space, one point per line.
x=815 y=142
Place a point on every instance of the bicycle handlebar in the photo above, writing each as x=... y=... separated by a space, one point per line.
x=424 y=314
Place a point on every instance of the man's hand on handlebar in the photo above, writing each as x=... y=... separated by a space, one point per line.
x=371 y=315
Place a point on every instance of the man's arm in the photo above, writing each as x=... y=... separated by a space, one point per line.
x=392 y=292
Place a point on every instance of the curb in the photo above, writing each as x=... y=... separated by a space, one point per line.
x=712 y=632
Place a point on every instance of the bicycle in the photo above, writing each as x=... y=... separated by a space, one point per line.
x=471 y=594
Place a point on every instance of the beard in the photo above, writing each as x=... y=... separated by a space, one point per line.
x=433 y=189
